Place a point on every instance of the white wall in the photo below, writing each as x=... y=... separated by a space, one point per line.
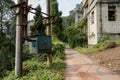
x=101 y=23
x=110 y=26
x=92 y=27
x=105 y=26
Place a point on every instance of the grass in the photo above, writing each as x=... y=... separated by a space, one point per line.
x=35 y=70
x=100 y=46
x=117 y=41
x=86 y=50
x=35 y=67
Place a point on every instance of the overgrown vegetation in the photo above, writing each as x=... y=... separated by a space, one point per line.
x=86 y=50
x=77 y=35
x=57 y=26
x=35 y=67
x=38 y=28
x=58 y=48
x=103 y=44
x=7 y=42
x=69 y=21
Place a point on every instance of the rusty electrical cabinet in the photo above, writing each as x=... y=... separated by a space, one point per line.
x=43 y=44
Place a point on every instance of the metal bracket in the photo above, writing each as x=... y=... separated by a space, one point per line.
x=14 y=8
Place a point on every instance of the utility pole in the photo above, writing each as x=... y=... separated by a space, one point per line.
x=49 y=29
x=18 y=54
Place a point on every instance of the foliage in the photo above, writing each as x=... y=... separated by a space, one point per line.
x=83 y=24
x=104 y=38
x=7 y=30
x=6 y=55
x=35 y=67
x=86 y=50
x=107 y=44
x=67 y=22
x=5 y=14
x=59 y=50
x=38 y=27
x=76 y=37
x=57 y=26
x=78 y=7
x=102 y=41
x=35 y=70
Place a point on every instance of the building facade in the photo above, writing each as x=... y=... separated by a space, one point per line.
x=78 y=17
x=103 y=17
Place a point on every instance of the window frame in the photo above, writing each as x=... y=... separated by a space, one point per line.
x=92 y=17
x=111 y=12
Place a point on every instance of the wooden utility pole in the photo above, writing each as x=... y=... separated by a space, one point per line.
x=49 y=29
x=18 y=54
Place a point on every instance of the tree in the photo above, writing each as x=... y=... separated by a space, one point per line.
x=5 y=13
x=67 y=22
x=38 y=27
x=78 y=7
x=6 y=37
x=57 y=26
x=76 y=37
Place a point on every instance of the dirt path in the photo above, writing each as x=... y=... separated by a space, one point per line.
x=79 y=67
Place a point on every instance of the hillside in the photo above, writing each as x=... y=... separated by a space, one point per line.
x=108 y=58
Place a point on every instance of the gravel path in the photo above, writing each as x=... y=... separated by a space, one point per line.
x=79 y=67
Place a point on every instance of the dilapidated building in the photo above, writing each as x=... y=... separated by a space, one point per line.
x=103 y=17
x=78 y=17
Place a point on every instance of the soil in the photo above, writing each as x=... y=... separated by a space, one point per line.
x=80 y=67
x=109 y=58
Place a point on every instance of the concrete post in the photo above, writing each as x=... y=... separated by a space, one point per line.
x=18 y=54
x=49 y=31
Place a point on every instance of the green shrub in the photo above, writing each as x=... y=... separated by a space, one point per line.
x=108 y=45
x=60 y=65
x=6 y=62
x=35 y=68
x=105 y=37
x=59 y=50
x=102 y=41
x=76 y=37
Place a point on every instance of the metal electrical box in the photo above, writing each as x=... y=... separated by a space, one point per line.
x=43 y=44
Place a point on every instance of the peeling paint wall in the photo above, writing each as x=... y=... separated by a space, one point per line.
x=101 y=24
x=111 y=26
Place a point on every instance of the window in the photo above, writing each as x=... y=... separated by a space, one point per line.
x=92 y=17
x=111 y=12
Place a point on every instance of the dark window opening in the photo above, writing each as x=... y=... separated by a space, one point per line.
x=111 y=12
x=92 y=17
